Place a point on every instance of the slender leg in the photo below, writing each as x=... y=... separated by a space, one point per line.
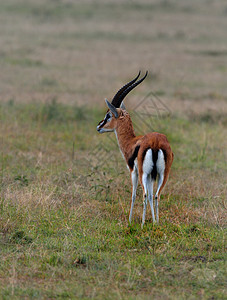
x=145 y=194
x=157 y=195
x=134 y=179
x=161 y=171
x=156 y=208
x=150 y=196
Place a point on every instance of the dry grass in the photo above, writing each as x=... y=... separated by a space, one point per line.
x=69 y=50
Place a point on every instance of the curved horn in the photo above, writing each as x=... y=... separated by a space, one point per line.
x=115 y=100
x=132 y=86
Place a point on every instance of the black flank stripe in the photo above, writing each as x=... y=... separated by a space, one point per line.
x=133 y=157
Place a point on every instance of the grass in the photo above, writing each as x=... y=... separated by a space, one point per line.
x=58 y=226
x=65 y=190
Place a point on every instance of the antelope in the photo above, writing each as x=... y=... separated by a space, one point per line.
x=148 y=157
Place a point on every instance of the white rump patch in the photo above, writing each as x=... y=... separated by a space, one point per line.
x=160 y=164
x=148 y=162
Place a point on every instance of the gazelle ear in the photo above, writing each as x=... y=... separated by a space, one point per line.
x=112 y=108
x=122 y=106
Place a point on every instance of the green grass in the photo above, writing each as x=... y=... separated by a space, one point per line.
x=63 y=221
x=60 y=244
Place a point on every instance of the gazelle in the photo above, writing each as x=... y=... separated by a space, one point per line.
x=148 y=157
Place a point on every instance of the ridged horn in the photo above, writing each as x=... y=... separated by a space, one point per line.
x=132 y=86
x=115 y=101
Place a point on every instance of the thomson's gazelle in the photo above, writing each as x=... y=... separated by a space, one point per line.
x=148 y=157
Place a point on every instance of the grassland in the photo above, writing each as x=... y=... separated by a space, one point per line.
x=64 y=189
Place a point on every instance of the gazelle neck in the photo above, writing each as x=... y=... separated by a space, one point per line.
x=125 y=136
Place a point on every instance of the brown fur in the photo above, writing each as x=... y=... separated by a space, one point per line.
x=155 y=140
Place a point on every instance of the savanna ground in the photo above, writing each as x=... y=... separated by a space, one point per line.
x=65 y=190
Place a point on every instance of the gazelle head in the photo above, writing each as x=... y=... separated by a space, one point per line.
x=114 y=112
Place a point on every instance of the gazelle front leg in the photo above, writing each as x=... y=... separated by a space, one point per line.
x=134 y=179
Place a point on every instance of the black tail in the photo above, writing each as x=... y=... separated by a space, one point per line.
x=155 y=158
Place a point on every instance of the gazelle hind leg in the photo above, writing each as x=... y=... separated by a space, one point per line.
x=160 y=170
x=134 y=179
x=162 y=184
x=147 y=165
x=157 y=196
x=145 y=195
x=150 y=197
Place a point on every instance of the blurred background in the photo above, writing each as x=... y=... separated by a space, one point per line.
x=82 y=51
